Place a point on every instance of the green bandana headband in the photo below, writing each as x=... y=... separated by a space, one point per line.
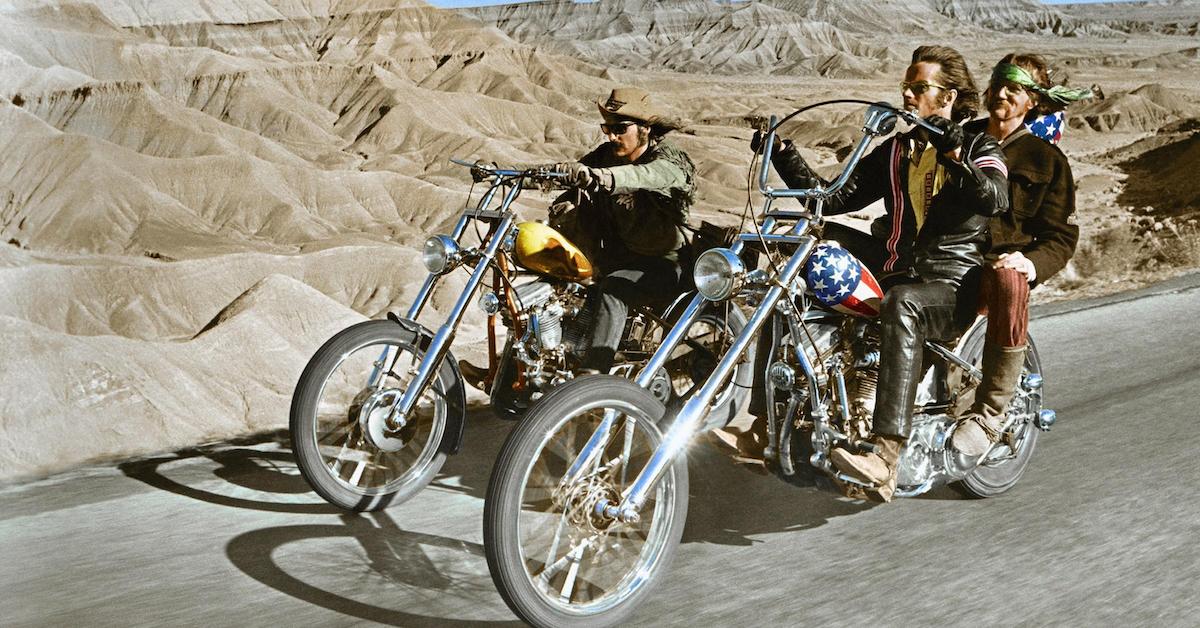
x=1017 y=74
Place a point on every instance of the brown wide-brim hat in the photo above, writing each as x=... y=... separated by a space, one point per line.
x=630 y=103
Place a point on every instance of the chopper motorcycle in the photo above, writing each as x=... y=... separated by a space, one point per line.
x=588 y=498
x=382 y=403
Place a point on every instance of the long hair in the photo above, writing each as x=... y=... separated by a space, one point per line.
x=664 y=125
x=1037 y=67
x=955 y=75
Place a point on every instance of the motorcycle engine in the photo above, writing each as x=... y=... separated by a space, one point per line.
x=925 y=457
x=545 y=304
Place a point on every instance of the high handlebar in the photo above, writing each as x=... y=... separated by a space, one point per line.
x=879 y=120
x=541 y=173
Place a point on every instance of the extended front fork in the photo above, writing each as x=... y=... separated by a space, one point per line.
x=691 y=417
x=440 y=343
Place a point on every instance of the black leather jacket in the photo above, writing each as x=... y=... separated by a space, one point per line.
x=954 y=236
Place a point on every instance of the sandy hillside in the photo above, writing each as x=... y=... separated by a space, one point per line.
x=193 y=196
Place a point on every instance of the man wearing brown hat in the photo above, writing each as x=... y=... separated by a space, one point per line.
x=635 y=191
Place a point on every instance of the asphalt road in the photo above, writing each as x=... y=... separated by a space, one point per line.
x=1101 y=531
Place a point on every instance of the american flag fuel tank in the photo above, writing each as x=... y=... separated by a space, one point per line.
x=840 y=282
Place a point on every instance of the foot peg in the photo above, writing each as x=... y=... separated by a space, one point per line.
x=863 y=447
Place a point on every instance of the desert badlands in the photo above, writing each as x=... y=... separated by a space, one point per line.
x=194 y=196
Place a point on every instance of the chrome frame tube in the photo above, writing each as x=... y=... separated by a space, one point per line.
x=441 y=339
x=431 y=279
x=692 y=415
x=675 y=335
x=839 y=376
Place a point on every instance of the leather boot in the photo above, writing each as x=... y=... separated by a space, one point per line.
x=980 y=428
x=877 y=468
x=746 y=446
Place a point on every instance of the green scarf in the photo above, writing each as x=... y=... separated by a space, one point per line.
x=1059 y=93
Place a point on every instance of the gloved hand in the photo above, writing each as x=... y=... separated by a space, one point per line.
x=756 y=142
x=951 y=137
x=478 y=174
x=584 y=177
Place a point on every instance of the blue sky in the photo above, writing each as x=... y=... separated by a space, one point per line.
x=469 y=3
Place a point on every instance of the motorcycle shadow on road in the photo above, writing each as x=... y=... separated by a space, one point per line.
x=338 y=566
x=256 y=466
x=728 y=505
x=469 y=471
x=264 y=465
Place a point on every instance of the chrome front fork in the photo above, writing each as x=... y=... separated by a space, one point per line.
x=645 y=377
x=693 y=413
x=440 y=343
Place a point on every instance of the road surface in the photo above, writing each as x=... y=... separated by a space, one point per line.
x=1102 y=530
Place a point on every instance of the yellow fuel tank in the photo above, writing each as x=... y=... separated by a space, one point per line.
x=542 y=249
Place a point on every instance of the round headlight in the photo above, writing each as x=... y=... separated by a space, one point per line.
x=439 y=253
x=718 y=274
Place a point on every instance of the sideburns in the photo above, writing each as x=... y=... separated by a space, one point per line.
x=643 y=135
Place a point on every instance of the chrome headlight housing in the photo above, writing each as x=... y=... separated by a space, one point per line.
x=718 y=274
x=440 y=254
x=489 y=302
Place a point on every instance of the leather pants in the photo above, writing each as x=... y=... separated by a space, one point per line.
x=911 y=313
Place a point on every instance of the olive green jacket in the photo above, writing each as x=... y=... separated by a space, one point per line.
x=645 y=208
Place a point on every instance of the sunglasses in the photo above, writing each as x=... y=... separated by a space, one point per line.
x=617 y=128
x=919 y=87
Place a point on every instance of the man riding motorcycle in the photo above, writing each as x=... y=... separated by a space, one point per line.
x=939 y=191
x=1029 y=244
x=635 y=193
x=631 y=198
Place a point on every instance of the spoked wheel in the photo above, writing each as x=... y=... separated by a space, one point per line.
x=698 y=354
x=339 y=411
x=1006 y=463
x=555 y=557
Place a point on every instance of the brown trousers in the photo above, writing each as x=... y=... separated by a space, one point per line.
x=1004 y=297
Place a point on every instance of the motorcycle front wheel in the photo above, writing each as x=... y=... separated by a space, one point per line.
x=553 y=558
x=341 y=401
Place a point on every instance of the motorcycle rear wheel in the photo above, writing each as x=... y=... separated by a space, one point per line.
x=347 y=377
x=689 y=366
x=552 y=558
x=1005 y=466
